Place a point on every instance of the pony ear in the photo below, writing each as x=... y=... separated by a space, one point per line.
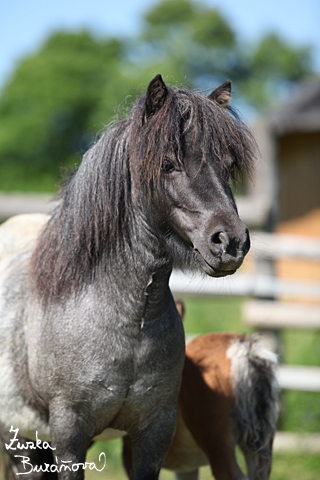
x=156 y=94
x=222 y=94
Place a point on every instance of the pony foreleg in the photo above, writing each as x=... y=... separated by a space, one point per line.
x=127 y=462
x=127 y=455
x=70 y=440
x=194 y=475
x=150 y=446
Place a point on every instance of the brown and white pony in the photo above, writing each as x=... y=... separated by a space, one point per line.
x=229 y=397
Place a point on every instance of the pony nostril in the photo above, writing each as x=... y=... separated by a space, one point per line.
x=234 y=246
x=220 y=240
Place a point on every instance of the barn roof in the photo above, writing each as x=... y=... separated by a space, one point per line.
x=300 y=114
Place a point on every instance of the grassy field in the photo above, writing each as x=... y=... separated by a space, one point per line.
x=291 y=466
x=300 y=410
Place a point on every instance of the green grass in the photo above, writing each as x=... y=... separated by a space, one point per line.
x=300 y=410
x=213 y=314
x=291 y=466
x=301 y=347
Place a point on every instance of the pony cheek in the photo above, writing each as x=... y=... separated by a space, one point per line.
x=185 y=224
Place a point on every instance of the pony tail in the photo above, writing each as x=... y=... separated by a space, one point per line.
x=253 y=371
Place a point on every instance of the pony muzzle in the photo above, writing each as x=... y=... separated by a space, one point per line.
x=225 y=252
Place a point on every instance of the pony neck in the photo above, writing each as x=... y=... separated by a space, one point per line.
x=142 y=264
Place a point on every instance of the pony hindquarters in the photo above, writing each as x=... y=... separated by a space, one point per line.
x=229 y=396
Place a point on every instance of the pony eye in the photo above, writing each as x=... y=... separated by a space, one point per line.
x=167 y=166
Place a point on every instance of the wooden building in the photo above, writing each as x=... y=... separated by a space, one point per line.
x=287 y=183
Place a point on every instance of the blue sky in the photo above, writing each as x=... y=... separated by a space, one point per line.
x=25 y=24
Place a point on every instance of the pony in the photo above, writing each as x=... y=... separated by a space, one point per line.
x=229 y=396
x=91 y=343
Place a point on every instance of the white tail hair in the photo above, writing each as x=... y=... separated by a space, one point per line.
x=253 y=373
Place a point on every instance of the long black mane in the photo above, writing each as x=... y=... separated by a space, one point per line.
x=96 y=210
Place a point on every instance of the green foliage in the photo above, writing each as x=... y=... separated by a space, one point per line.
x=301 y=411
x=303 y=347
x=206 y=26
x=48 y=108
x=274 y=67
x=169 y=13
x=212 y=30
x=199 y=39
x=274 y=57
x=206 y=49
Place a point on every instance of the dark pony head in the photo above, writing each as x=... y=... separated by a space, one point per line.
x=171 y=160
x=165 y=115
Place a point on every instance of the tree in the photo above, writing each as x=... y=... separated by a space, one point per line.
x=274 y=67
x=206 y=50
x=60 y=97
x=49 y=109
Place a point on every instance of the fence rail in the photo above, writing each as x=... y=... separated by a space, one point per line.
x=17 y=203
x=279 y=315
x=241 y=284
x=279 y=246
x=299 y=377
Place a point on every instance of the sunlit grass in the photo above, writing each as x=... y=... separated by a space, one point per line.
x=289 y=466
